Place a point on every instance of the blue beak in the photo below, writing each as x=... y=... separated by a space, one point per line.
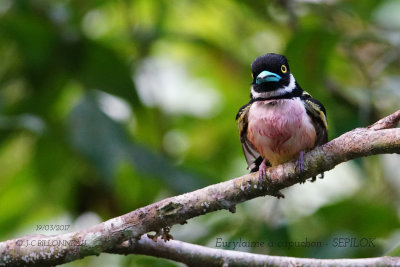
x=267 y=76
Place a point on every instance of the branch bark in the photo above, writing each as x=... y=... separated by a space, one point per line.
x=45 y=250
x=199 y=256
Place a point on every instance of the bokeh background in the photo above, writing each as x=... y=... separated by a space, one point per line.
x=107 y=106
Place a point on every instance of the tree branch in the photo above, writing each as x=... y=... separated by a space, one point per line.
x=51 y=250
x=195 y=255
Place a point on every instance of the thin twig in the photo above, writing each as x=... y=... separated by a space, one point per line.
x=195 y=255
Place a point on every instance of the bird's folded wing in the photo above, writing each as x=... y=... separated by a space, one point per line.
x=252 y=156
x=317 y=112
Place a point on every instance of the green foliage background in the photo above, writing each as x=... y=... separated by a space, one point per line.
x=107 y=106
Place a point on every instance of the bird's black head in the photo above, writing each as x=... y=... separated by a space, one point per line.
x=270 y=72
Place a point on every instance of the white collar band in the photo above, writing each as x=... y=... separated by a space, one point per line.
x=278 y=92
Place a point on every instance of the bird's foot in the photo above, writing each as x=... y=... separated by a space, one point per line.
x=262 y=171
x=300 y=165
x=300 y=162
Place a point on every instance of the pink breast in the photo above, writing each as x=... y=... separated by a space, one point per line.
x=280 y=129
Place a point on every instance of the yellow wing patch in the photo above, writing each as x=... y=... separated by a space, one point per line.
x=315 y=109
x=319 y=112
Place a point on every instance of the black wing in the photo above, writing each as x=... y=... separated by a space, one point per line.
x=252 y=156
x=317 y=112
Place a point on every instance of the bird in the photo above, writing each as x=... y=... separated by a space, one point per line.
x=281 y=121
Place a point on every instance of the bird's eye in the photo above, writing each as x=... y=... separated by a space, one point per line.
x=283 y=69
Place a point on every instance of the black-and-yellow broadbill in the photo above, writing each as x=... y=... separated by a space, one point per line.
x=281 y=121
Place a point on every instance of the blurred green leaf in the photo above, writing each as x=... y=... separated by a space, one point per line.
x=105 y=143
x=102 y=69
